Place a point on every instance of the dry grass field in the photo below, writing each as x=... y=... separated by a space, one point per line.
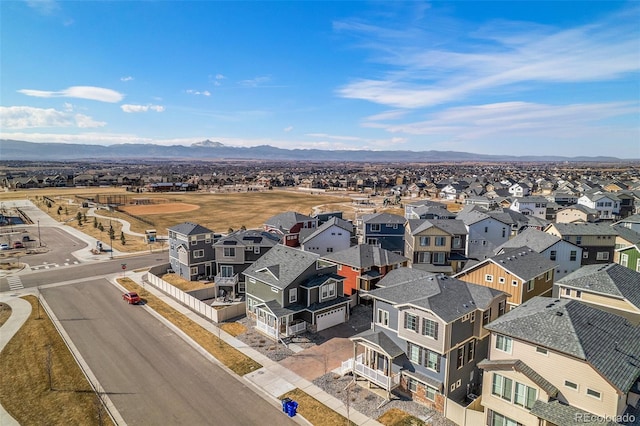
x=151 y=209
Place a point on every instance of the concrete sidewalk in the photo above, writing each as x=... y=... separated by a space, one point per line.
x=272 y=379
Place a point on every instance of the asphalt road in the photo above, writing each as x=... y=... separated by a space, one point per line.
x=152 y=376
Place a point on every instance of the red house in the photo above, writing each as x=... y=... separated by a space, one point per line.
x=288 y=225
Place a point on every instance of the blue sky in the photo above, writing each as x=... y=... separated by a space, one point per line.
x=525 y=78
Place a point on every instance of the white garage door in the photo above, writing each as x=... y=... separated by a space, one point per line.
x=330 y=318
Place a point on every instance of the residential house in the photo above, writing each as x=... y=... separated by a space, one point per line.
x=191 y=252
x=561 y=362
x=626 y=237
x=632 y=222
x=566 y=255
x=363 y=265
x=576 y=213
x=534 y=206
x=333 y=235
x=237 y=251
x=288 y=225
x=383 y=229
x=606 y=204
x=482 y=201
x=426 y=337
x=519 y=190
x=521 y=272
x=427 y=209
x=564 y=197
x=484 y=232
x=436 y=245
x=452 y=191
x=289 y=291
x=612 y=287
x=597 y=240
x=629 y=256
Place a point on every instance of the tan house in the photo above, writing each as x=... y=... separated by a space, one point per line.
x=613 y=288
x=561 y=362
x=435 y=245
x=597 y=240
x=521 y=272
x=576 y=213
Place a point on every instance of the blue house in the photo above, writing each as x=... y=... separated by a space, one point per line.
x=191 y=252
x=384 y=230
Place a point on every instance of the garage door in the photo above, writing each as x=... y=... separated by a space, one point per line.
x=330 y=318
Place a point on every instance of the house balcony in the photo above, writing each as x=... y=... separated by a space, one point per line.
x=226 y=281
x=374 y=376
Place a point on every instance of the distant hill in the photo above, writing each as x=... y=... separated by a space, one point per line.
x=210 y=150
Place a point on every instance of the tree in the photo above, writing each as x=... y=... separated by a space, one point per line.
x=122 y=239
x=243 y=228
x=112 y=233
x=59 y=210
x=100 y=227
x=95 y=222
x=79 y=217
x=66 y=211
x=230 y=231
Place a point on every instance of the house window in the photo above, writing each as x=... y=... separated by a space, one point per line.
x=460 y=357
x=256 y=249
x=372 y=241
x=530 y=285
x=438 y=258
x=472 y=317
x=501 y=307
x=502 y=387
x=593 y=393
x=229 y=252
x=198 y=253
x=430 y=393
x=540 y=350
x=567 y=292
x=579 y=239
x=242 y=287
x=383 y=317
x=425 y=241
x=571 y=385
x=573 y=255
x=440 y=241
x=503 y=343
x=430 y=328
x=194 y=241
x=410 y=322
x=329 y=249
x=486 y=316
x=412 y=384
x=585 y=254
x=524 y=395
x=578 y=294
x=293 y=295
x=501 y=280
x=328 y=290
x=498 y=419
x=488 y=278
x=624 y=259
x=424 y=257
x=432 y=361
x=193 y=270
x=514 y=283
x=504 y=232
x=471 y=351
x=486 y=229
x=552 y=255
x=638 y=265
x=414 y=352
x=602 y=255
x=457 y=242
x=375 y=227
x=549 y=275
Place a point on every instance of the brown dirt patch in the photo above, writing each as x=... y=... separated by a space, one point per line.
x=160 y=208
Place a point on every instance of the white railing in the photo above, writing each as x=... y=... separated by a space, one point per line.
x=293 y=329
x=376 y=376
x=226 y=281
x=265 y=328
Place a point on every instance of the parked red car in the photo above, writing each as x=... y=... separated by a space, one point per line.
x=17 y=244
x=132 y=298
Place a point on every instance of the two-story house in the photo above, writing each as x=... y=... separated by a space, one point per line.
x=596 y=239
x=484 y=232
x=289 y=291
x=383 y=229
x=576 y=213
x=533 y=206
x=606 y=204
x=235 y=252
x=519 y=189
x=521 y=272
x=610 y=287
x=436 y=245
x=566 y=255
x=191 y=252
x=363 y=265
x=426 y=337
x=288 y=225
x=332 y=236
x=561 y=362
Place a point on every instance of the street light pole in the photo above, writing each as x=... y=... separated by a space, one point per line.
x=111 y=237
x=39 y=240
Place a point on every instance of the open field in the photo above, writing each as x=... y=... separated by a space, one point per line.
x=151 y=209
x=34 y=354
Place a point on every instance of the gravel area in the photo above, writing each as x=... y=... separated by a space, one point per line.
x=369 y=403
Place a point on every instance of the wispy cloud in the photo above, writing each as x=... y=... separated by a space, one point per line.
x=44 y=7
x=126 y=78
x=196 y=92
x=255 y=82
x=130 y=108
x=24 y=117
x=328 y=141
x=81 y=92
x=502 y=55
x=288 y=129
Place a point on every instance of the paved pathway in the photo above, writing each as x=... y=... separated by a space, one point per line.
x=126 y=226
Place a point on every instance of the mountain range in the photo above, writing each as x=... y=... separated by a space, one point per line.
x=211 y=150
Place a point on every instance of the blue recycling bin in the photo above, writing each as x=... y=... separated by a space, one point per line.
x=285 y=404
x=292 y=408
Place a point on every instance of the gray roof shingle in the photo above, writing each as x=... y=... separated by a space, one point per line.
x=521 y=261
x=285 y=221
x=188 y=228
x=584 y=229
x=608 y=342
x=281 y=265
x=365 y=256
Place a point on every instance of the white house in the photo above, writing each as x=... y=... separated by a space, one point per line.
x=606 y=204
x=485 y=233
x=332 y=236
x=519 y=190
x=531 y=206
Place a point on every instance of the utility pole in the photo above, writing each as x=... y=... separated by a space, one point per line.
x=111 y=237
x=39 y=239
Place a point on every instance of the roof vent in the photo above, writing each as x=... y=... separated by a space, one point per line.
x=558 y=313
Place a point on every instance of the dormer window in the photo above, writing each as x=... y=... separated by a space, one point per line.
x=328 y=291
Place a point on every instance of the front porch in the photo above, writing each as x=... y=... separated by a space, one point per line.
x=278 y=323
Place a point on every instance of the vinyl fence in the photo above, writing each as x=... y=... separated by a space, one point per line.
x=217 y=315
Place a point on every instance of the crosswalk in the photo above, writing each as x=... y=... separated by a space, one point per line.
x=15 y=283
x=54 y=265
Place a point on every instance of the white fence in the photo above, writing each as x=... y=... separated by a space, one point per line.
x=471 y=415
x=220 y=314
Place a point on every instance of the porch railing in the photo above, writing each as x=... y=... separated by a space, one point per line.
x=226 y=281
x=265 y=328
x=294 y=329
x=375 y=376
